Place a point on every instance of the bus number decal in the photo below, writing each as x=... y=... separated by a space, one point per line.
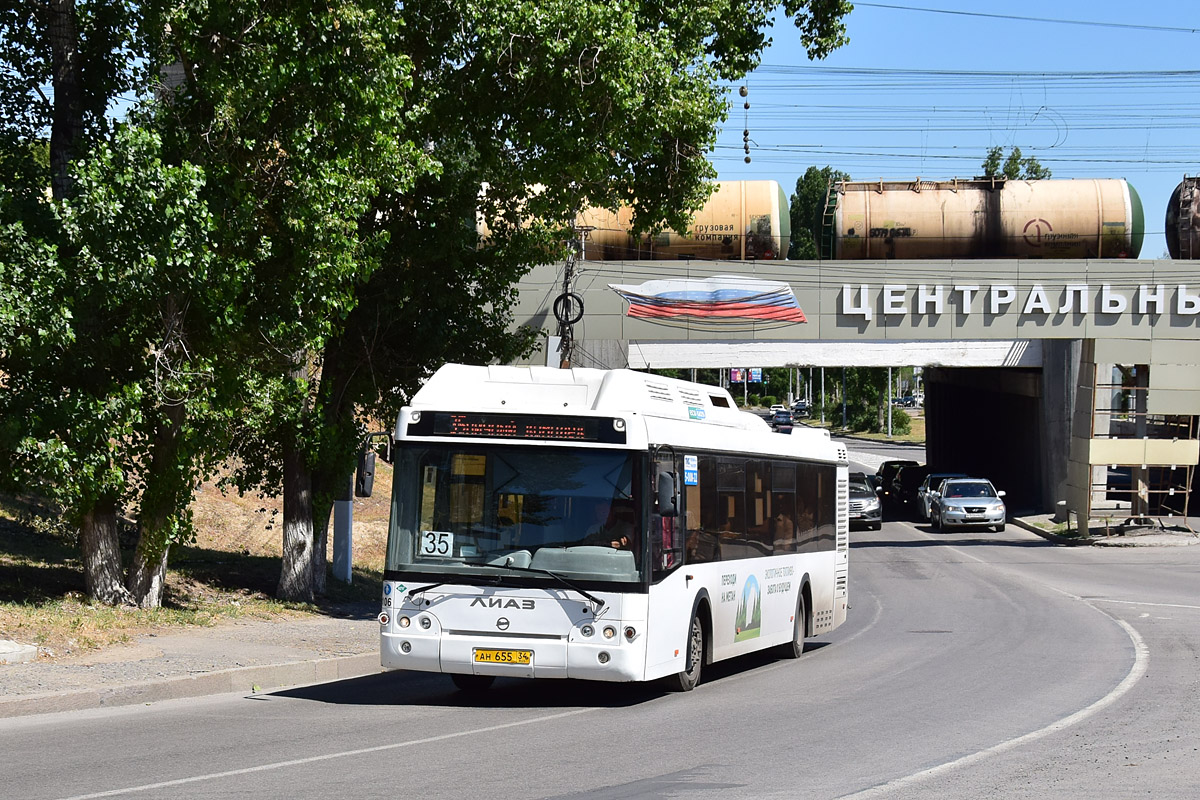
x=437 y=543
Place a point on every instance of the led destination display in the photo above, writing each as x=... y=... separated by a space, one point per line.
x=485 y=425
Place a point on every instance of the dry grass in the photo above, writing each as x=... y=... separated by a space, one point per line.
x=230 y=571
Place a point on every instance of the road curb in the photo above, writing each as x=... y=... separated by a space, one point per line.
x=249 y=680
x=1045 y=534
x=1132 y=541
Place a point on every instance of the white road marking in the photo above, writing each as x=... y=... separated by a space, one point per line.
x=149 y=787
x=1141 y=662
x=1140 y=603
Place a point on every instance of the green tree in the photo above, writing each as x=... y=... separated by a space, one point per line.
x=105 y=356
x=297 y=178
x=1014 y=167
x=551 y=107
x=296 y=244
x=808 y=209
x=69 y=418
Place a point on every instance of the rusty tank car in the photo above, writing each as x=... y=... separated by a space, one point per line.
x=1183 y=220
x=982 y=218
x=742 y=220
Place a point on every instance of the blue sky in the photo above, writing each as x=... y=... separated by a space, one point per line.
x=926 y=94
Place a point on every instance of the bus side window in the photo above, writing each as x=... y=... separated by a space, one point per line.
x=702 y=510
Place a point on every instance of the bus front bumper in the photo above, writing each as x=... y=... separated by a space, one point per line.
x=550 y=657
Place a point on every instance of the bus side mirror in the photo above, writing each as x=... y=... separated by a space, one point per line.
x=364 y=477
x=664 y=499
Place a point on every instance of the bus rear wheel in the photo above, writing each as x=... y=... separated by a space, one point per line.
x=686 y=681
x=472 y=684
x=795 y=648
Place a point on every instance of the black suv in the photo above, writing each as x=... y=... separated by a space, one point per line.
x=887 y=473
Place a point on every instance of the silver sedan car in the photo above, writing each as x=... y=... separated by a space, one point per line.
x=967 y=502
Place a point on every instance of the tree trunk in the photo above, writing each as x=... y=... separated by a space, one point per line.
x=330 y=473
x=102 y=554
x=167 y=492
x=320 y=546
x=66 y=128
x=148 y=572
x=296 y=574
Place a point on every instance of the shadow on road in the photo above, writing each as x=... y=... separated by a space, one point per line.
x=945 y=538
x=402 y=688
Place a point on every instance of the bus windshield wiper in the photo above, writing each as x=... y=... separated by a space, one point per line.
x=414 y=592
x=599 y=603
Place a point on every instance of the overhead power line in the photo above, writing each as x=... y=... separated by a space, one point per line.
x=1089 y=23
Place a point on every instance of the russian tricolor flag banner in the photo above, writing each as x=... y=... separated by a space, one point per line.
x=719 y=299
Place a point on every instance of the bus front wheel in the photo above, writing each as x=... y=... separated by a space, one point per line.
x=795 y=648
x=472 y=684
x=686 y=681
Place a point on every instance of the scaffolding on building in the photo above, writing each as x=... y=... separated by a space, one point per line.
x=1128 y=495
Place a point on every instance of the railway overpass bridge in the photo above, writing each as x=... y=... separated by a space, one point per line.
x=1020 y=355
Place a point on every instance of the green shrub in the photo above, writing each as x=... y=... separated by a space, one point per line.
x=866 y=420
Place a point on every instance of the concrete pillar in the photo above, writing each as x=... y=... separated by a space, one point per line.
x=1139 y=475
x=1060 y=381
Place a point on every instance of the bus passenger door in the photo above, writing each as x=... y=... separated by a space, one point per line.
x=666 y=513
x=671 y=593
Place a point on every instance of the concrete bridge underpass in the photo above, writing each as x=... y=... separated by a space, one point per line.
x=1062 y=380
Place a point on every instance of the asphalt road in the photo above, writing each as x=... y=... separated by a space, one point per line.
x=973 y=665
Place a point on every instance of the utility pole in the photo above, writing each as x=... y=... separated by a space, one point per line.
x=889 y=402
x=568 y=306
x=843 y=398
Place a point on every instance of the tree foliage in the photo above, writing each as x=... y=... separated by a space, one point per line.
x=1014 y=167
x=108 y=348
x=283 y=237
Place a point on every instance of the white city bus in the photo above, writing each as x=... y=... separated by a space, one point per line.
x=606 y=525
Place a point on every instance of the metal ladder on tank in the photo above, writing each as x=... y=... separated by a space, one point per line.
x=827 y=244
x=1186 y=195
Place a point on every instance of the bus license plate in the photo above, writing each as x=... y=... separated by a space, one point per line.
x=503 y=656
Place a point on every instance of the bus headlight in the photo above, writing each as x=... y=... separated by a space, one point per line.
x=602 y=658
x=630 y=633
x=587 y=630
x=405 y=647
x=609 y=631
x=425 y=623
x=404 y=622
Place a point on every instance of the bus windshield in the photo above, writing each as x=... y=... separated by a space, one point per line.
x=470 y=509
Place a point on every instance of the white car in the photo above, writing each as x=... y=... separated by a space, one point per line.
x=778 y=407
x=967 y=502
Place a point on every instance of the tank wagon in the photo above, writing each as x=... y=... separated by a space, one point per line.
x=982 y=218
x=741 y=220
x=1183 y=220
